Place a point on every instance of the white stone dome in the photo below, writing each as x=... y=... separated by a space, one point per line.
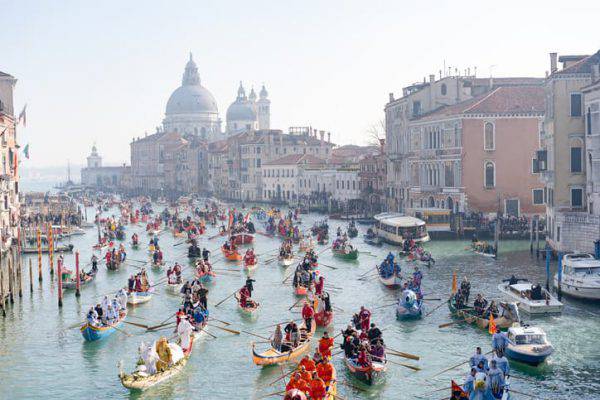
x=191 y=97
x=240 y=112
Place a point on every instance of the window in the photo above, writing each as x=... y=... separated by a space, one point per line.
x=258 y=163
x=576 y=159
x=538 y=197
x=449 y=175
x=588 y=120
x=488 y=136
x=490 y=175
x=444 y=89
x=416 y=108
x=575 y=104
x=576 y=197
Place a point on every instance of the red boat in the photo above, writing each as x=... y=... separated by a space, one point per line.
x=231 y=255
x=242 y=238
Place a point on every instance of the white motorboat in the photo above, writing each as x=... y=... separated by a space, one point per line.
x=530 y=346
x=580 y=276
x=532 y=300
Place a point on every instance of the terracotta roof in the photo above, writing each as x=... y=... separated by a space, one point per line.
x=508 y=81
x=583 y=66
x=218 y=146
x=297 y=159
x=503 y=100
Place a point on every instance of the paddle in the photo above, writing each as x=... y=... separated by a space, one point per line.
x=328 y=266
x=218 y=320
x=448 y=324
x=436 y=308
x=294 y=305
x=279 y=323
x=405 y=365
x=368 y=271
x=156 y=327
x=402 y=354
x=258 y=336
x=386 y=305
x=226 y=298
x=208 y=333
x=136 y=324
x=458 y=365
x=280 y=378
x=271 y=394
x=226 y=329
x=122 y=331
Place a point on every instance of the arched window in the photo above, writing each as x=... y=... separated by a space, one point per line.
x=444 y=89
x=489 y=142
x=490 y=175
x=431 y=202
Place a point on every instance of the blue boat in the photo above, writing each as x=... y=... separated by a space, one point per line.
x=530 y=345
x=409 y=307
x=92 y=333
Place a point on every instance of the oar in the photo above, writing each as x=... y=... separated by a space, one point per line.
x=432 y=299
x=436 y=390
x=258 y=336
x=156 y=327
x=403 y=354
x=457 y=365
x=227 y=329
x=208 y=333
x=279 y=323
x=280 y=378
x=294 y=305
x=328 y=266
x=287 y=277
x=271 y=394
x=75 y=325
x=368 y=271
x=122 y=331
x=436 y=308
x=172 y=315
x=523 y=394
x=226 y=298
x=218 y=320
x=448 y=324
x=136 y=324
x=405 y=365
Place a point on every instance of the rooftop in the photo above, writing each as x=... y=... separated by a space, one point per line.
x=294 y=159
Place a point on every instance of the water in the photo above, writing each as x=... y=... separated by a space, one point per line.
x=41 y=358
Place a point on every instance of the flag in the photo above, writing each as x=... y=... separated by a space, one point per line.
x=457 y=391
x=492 y=325
x=23 y=116
x=454 y=282
x=26 y=151
x=247 y=218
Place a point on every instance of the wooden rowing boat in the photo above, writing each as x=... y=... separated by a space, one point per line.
x=72 y=282
x=231 y=255
x=393 y=281
x=469 y=315
x=92 y=333
x=142 y=381
x=345 y=255
x=324 y=318
x=369 y=374
x=67 y=248
x=272 y=356
x=135 y=298
x=249 y=311
x=300 y=290
x=174 y=288
x=250 y=265
x=242 y=238
x=205 y=276
x=286 y=261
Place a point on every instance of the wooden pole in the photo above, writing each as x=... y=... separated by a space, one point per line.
x=11 y=277
x=51 y=248
x=39 y=249
x=30 y=277
x=59 y=266
x=531 y=235
x=19 y=263
x=77 y=281
x=537 y=236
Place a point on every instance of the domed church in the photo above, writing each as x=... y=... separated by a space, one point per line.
x=192 y=109
x=248 y=113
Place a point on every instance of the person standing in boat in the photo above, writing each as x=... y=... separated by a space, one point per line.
x=496 y=380
x=277 y=338
x=478 y=358
x=307 y=314
x=465 y=287
x=249 y=285
x=500 y=341
x=94 y=263
x=184 y=330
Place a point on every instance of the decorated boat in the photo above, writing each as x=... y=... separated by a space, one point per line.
x=468 y=314
x=369 y=374
x=92 y=332
x=140 y=380
x=135 y=298
x=242 y=238
x=532 y=299
x=531 y=345
x=231 y=255
x=345 y=254
x=409 y=306
x=271 y=355
x=251 y=308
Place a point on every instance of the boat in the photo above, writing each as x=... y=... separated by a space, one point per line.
x=152 y=232
x=286 y=261
x=393 y=228
x=92 y=333
x=71 y=283
x=409 y=307
x=135 y=246
x=231 y=255
x=345 y=254
x=135 y=298
x=373 y=240
x=141 y=381
x=322 y=318
x=352 y=231
x=250 y=265
x=530 y=345
x=158 y=264
x=579 y=276
x=483 y=249
x=392 y=281
x=174 y=288
x=272 y=356
x=522 y=293
x=296 y=394
x=205 y=276
x=300 y=290
x=63 y=248
x=251 y=311
x=468 y=314
x=241 y=238
x=306 y=244
x=369 y=374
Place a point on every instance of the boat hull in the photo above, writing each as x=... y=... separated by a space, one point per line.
x=369 y=375
x=353 y=255
x=274 y=357
x=242 y=238
x=323 y=318
x=580 y=292
x=286 y=262
x=532 y=307
x=403 y=313
x=136 y=298
x=467 y=315
x=92 y=333
x=527 y=355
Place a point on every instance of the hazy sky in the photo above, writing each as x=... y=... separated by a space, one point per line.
x=103 y=71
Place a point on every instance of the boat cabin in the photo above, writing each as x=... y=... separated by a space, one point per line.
x=527 y=335
x=394 y=228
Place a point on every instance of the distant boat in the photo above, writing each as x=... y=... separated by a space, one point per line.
x=522 y=294
x=580 y=276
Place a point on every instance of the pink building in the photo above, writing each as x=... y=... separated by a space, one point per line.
x=478 y=155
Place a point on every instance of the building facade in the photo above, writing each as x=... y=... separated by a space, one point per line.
x=373 y=177
x=564 y=159
x=100 y=177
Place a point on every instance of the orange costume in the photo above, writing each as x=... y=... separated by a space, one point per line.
x=325 y=346
x=308 y=364
x=325 y=371
x=318 y=391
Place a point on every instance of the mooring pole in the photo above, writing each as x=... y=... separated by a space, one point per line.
x=60 y=300
x=39 y=249
x=30 y=277
x=78 y=281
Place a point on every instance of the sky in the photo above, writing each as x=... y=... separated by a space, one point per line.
x=102 y=72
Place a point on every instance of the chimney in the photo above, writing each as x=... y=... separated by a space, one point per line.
x=322 y=134
x=431 y=78
x=553 y=65
x=391 y=97
x=328 y=137
x=595 y=72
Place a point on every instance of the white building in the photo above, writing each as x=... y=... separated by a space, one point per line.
x=281 y=176
x=100 y=177
x=246 y=113
x=192 y=109
x=346 y=184
x=591 y=106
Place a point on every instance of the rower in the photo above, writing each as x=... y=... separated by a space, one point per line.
x=465 y=287
x=374 y=333
x=325 y=345
x=307 y=315
x=500 y=341
x=502 y=362
x=478 y=358
x=249 y=286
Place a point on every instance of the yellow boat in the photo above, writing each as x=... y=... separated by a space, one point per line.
x=272 y=356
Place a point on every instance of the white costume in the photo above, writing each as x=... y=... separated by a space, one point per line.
x=184 y=330
x=122 y=296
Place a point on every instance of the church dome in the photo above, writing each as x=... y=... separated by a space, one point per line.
x=191 y=97
x=241 y=109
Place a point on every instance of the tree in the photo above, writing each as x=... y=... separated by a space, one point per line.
x=375 y=132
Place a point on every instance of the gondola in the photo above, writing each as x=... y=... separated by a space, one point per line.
x=392 y=281
x=135 y=298
x=352 y=232
x=469 y=315
x=286 y=261
x=92 y=333
x=249 y=311
x=71 y=283
x=66 y=248
x=272 y=356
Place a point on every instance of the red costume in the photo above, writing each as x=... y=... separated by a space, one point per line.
x=325 y=346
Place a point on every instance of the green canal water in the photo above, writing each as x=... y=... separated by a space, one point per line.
x=41 y=358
